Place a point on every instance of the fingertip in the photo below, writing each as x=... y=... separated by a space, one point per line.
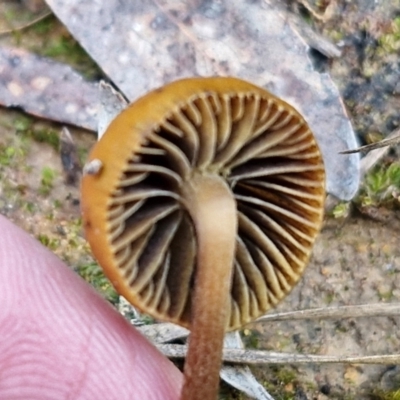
x=63 y=339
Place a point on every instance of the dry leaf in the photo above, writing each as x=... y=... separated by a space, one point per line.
x=47 y=89
x=143 y=44
x=240 y=376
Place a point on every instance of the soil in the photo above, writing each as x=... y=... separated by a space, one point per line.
x=356 y=260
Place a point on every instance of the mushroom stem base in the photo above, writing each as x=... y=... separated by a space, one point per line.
x=212 y=208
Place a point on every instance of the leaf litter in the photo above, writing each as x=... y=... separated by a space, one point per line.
x=291 y=305
x=159 y=41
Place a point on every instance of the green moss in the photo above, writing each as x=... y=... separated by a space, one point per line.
x=379 y=394
x=49 y=136
x=22 y=123
x=381 y=186
x=47 y=37
x=26 y=129
x=227 y=392
x=93 y=274
x=30 y=207
x=341 y=210
x=83 y=154
x=46 y=25
x=12 y=152
x=336 y=35
x=341 y=327
x=286 y=376
x=386 y=296
x=65 y=49
x=283 y=382
x=6 y=155
x=390 y=42
x=251 y=339
x=51 y=243
x=57 y=203
x=47 y=181
x=329 y=297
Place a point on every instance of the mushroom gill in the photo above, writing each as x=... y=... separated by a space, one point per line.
x=205 y=209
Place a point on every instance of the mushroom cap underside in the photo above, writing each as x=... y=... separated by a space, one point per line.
x=137 y=218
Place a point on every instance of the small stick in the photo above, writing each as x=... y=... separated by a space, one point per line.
x=393 y=138
x=256 y=357
x=358 y=311
x=378 y=151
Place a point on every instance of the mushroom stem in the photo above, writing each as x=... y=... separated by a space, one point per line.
x=212 y=208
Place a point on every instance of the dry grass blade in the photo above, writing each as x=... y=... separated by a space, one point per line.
x=255 y=357
x=377 y=151
x=392 y=139
x=167 y=332
x=358 y=311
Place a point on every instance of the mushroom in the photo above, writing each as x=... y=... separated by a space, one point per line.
x=201 y=202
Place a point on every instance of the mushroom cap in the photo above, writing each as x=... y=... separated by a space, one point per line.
x=137 y=219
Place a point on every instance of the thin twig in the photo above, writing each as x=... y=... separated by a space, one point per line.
x=377 y=151
x=254 y=357
x=166 y=332
x=393 y=138
x=358 y=311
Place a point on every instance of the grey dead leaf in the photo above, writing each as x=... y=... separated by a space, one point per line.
x=240 y=377
x=111 y=104
x=46 y=88
x=159 y=41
